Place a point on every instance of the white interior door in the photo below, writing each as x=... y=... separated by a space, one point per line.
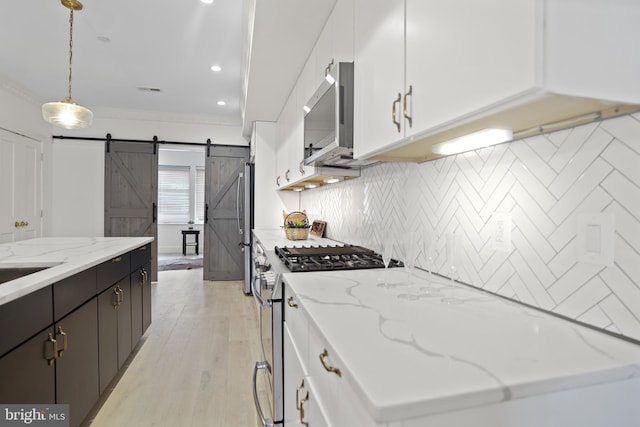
x=20 y=187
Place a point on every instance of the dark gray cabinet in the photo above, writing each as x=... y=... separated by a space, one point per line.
x=26 y=376
x=77 y=361
x=66 y=342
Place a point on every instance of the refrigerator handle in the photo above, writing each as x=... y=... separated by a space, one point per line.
x=240 y=176
x=206 y=213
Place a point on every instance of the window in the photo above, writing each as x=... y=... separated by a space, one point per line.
x=173 y=194
x=180 y=194
x=199 y=195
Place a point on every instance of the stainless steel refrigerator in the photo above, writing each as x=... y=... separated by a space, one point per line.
x=247 y=224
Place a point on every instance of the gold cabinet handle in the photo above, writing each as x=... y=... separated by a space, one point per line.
x=120 y=295
x=117 y=259
x=54 y=352
x=327 y=70
x=328 y=368
x=143 y=276
x=278 y=181
x=291 y=303
x=404 y=106
x=301 y=410
x=301 y=167
x=394 y=111
x=63 y=334
x=116 y=303
x=286 y=175
x=298 y=389
x=16 y=224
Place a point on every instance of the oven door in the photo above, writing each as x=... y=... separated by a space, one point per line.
x=268 y=374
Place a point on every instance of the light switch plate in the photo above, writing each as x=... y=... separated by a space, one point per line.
x=595 y=239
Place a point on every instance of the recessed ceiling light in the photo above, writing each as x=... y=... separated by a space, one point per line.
x=216 y=68
x=207 y=1
x=222 y=103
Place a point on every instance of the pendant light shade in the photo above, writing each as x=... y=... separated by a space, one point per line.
x=67 y=114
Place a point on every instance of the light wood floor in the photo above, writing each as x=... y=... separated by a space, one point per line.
x=195 y=364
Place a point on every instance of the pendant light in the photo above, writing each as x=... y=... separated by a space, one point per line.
x=67 y=114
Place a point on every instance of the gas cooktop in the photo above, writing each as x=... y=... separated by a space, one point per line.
x=327 y=258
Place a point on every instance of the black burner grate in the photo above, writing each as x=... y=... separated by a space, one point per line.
x=328 y=258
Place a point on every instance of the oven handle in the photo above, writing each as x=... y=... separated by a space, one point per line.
x=266 y=422
x=256 y=293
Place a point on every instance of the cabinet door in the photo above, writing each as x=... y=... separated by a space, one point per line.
x=108 y=336
x=20 y=187
x=342 y=31
x=140 y=302
x=464 y=55
x=26 y=375
x=77 y=382
x=378 y=73
x=124 y=321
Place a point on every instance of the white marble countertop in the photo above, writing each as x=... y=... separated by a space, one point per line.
x=65 y=256
x=408 y=353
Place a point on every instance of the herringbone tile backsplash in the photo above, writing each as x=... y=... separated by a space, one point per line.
x=540 y=189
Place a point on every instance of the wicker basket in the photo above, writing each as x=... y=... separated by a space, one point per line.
x=296 y=233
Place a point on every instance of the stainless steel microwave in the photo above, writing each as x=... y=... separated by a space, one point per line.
x=328 y=120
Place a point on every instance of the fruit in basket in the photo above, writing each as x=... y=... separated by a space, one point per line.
x=296 y=220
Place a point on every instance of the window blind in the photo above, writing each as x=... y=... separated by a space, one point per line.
x=199 y=214
x=173 y=194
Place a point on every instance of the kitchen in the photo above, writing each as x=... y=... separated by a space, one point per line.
x=541 y=182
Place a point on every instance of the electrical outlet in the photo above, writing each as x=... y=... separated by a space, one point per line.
x=595 y=239
x=501 y=240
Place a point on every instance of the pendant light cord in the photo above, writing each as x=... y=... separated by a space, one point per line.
x=70 y=49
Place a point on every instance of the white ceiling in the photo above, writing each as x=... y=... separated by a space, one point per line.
x=168 y=45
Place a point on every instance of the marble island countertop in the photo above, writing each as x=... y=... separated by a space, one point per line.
x=63 y=257
x=426 y=348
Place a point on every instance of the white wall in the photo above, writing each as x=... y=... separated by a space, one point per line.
x=78 y=166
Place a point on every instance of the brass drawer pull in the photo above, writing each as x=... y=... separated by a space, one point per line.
x=323 y=356
x=394 y=111
x=298 y=389
x=116 y=303
x=291 y=303
x=54 y=353
x=301 y=409
x=404 y=106
x=63 y=334
x=118 y=259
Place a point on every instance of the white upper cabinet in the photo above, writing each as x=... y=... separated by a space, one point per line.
x=378 y=73
x=427 y=71
x=335 y=43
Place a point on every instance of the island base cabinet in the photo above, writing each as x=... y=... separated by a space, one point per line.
x=77 y=361
x=26 y=376
x=114 y=330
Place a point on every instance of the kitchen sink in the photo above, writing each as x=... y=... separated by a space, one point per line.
x=11 y=273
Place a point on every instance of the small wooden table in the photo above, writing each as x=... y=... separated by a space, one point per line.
x=196 y=233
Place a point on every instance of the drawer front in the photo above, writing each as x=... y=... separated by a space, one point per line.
x=72 y=292
x=109 y=272
x=296 y=320
x=24 y=317
x=140 y=256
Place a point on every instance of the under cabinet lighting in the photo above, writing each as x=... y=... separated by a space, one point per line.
x=473 y=141
x=330 y=79
x=310 y=186
x=332 y=180
x=298 y=189
x=306 y=109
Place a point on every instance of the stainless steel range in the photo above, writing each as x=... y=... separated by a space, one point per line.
x=267 y=290
x=329 y=258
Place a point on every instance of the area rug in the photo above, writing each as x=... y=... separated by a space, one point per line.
x=179 y=262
